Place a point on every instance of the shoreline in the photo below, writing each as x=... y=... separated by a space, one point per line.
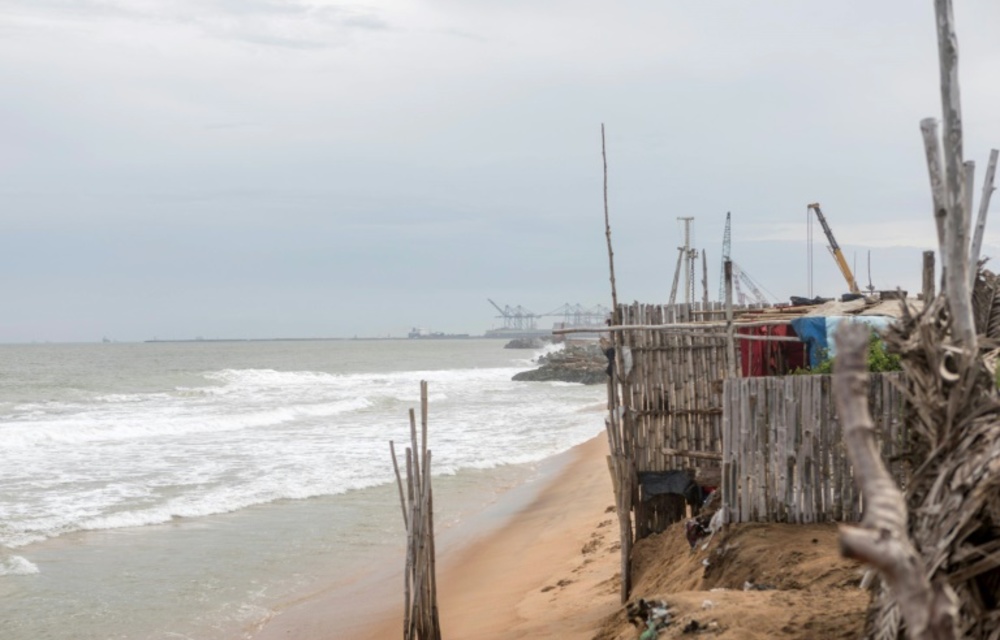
x=541 y=562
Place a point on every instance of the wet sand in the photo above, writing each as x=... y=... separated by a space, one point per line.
x=541 y=563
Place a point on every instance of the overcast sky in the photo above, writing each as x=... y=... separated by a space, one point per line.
x=305 y=168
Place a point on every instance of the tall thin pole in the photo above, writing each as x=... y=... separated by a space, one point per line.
x=809 y=252
x=704 y=281
x=688 y=275
x=956 y=231
x=730 y=337
x=607 y=232
x=984 y=207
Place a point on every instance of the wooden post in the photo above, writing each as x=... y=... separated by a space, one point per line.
x=956 y=247
x=928 y=272
x=618 y=438
x=932 y=149
x=607 y=230
x=984 y=206
x=731 y=368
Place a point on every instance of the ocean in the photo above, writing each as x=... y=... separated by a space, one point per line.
x=192 y=489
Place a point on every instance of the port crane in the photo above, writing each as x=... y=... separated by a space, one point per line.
x=517 y=317
x=576 y=315
x=834 y=248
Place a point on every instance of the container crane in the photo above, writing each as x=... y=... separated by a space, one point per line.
x=517 y=317
x=838 y=255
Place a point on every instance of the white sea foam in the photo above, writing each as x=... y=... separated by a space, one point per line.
x=255 y=435
x=16 y=566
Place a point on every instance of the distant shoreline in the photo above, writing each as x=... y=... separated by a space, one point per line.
x=433 y=338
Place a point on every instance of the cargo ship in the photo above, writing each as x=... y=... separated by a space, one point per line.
x=426 y=334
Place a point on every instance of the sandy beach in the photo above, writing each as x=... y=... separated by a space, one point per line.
x=548 y=569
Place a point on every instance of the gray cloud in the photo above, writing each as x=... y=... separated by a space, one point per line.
x=304 y=168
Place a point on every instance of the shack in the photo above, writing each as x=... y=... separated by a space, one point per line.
x=701 y=403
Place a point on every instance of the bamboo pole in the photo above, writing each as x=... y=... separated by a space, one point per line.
x=984 y=206
x=679 y=326
x=607 y=229
x=420 y=613
x=408 y=585
x=399 y=483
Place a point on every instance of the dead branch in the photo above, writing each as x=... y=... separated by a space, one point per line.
x=984 y=207
x=956 y=230
x=881 y=540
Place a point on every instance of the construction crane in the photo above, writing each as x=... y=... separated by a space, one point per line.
x=742 y=276
x=838 y=255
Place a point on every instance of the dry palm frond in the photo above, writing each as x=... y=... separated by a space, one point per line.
x=953 y=494
x=986 y=304
x=886 y=621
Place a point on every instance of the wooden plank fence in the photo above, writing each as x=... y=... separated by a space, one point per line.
x=783 y=457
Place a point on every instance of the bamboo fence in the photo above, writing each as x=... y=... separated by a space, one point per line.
x=665 y=409
x=420 y=614
x=784 y=458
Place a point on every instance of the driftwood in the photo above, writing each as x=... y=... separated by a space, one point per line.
x=882 y=540
x=956 y=231
x=932 y=149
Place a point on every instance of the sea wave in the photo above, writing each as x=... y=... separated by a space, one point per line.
x=17 y=566
x=162 y=420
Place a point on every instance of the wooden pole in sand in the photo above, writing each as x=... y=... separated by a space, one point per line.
x=928 y=273
x=607 y=231
x=420 y=613
x=621 y=475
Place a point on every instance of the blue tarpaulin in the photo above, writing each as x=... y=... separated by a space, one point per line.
x=817 y=333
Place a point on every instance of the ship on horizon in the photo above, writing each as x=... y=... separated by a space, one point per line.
x=426 y=334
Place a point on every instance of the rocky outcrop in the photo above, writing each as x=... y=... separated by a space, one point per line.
x=583 y=364
x=527 y=343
